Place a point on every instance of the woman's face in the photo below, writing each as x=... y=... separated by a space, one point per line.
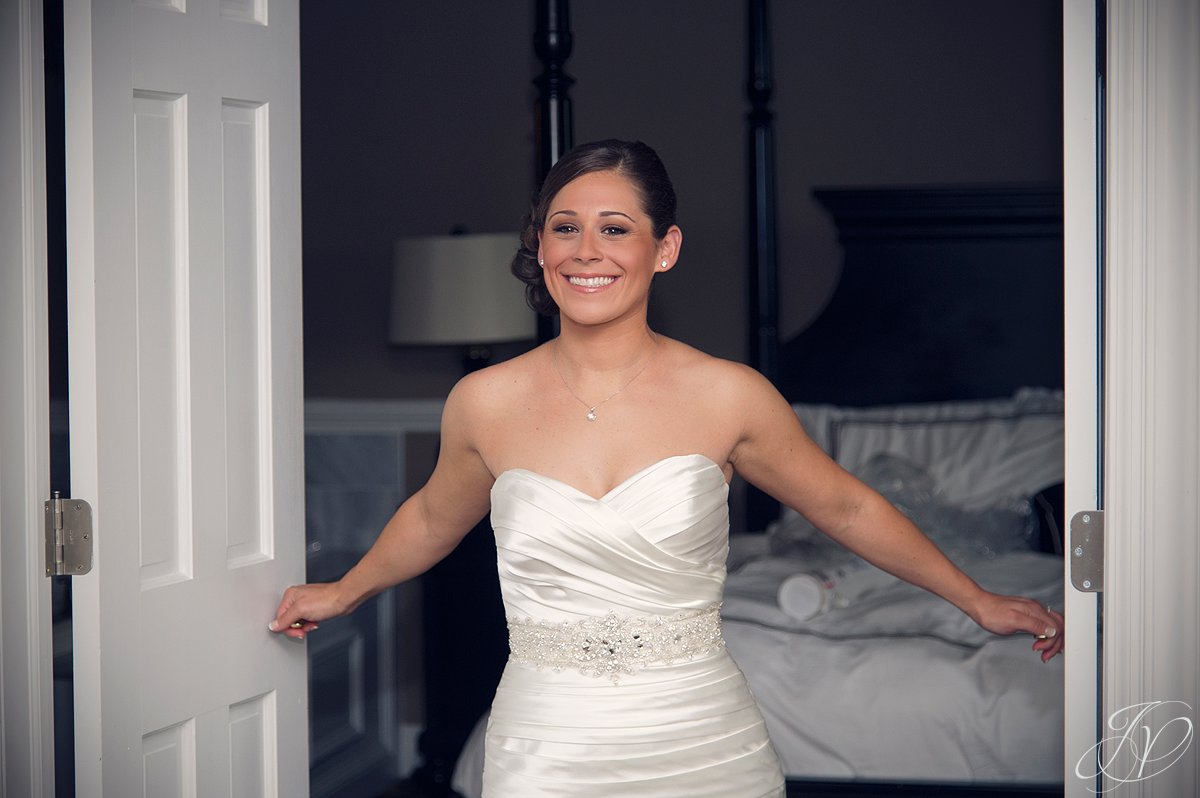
x=598 y=249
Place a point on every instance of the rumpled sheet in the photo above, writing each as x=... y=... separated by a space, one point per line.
x=889 y=681
x=908 y=708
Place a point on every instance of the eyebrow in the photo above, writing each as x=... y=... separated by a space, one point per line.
x=568 y=212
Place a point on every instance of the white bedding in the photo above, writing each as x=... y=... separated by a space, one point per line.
x=978 y=452
x=900 y=684
x=896 y=609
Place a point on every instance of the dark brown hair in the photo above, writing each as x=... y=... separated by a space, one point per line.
x=632 y=159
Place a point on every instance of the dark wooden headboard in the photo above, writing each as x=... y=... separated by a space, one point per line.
x=945 y=293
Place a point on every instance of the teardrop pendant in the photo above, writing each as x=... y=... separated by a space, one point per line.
x=591 y=413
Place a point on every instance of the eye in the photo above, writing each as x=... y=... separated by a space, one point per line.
x=565 y=228
x=613 y=230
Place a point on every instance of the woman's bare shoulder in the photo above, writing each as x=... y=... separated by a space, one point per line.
x=722 y=379
x=485 y=395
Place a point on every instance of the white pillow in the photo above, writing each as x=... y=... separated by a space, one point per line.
x=979 y=453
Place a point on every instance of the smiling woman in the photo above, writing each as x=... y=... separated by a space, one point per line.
x=612 y=530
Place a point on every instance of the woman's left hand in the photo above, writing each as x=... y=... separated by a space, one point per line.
x=1006 y=615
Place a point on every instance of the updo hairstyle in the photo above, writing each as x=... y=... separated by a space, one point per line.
x=631 y=159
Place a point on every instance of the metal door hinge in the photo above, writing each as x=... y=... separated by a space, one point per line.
x=68 y=536
x=1087 y=551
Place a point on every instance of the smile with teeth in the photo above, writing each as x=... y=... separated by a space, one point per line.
x=591 y=282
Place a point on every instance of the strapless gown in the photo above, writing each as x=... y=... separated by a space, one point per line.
x=618 y=684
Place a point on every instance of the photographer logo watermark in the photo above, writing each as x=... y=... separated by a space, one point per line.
x=1149 y=739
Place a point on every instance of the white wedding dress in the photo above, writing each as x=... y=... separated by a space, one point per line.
x=618 y=683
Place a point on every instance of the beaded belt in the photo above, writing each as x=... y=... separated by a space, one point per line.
x=613 y=644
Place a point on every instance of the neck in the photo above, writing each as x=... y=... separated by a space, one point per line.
x=606 y=348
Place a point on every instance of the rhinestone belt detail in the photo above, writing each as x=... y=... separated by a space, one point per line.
x=611 y=645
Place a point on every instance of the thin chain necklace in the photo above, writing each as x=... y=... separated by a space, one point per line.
x=591 y=413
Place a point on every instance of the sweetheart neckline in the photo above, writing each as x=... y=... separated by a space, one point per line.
x=709 y=463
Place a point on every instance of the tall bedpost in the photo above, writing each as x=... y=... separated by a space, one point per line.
x=555 y=125
x=552 y=42
x=764 y=269
x=764 y=272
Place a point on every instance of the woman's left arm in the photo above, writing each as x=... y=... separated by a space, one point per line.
x=774 y=453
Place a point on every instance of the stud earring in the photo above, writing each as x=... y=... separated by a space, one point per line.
x=663 y=265
x=541 y=262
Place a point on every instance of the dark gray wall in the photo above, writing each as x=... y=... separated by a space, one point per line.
x=419 y=117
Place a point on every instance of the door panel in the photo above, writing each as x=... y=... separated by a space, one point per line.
x=184 y=294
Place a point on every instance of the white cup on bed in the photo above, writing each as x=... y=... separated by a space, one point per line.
x=806 y=595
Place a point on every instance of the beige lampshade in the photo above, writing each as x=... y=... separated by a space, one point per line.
x=458 y=290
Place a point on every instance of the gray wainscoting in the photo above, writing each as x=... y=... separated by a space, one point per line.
x=362 y=459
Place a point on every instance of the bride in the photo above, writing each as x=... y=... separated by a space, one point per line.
x=604 y=456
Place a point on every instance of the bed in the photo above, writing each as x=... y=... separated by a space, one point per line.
x=861 y=676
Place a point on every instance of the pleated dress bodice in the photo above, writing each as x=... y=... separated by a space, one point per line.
x=654 y=545
x=639 y=573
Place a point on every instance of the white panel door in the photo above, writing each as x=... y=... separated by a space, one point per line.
x=186 y=398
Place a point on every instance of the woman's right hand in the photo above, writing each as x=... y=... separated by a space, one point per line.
x=426 y=527
x=304 y=606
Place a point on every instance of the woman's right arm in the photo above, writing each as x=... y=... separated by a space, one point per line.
x=425 y=529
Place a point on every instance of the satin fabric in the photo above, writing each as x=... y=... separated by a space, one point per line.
x=654 y=545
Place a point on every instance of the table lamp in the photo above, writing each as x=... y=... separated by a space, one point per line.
x=458 y=290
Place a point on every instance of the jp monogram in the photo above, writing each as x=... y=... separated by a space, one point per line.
x=1150 y=738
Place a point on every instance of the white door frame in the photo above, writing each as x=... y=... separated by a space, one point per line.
x=1082 y=378
x=1152 y=389
x=26 y=656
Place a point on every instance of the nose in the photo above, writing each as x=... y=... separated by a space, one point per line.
x=587 y=251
